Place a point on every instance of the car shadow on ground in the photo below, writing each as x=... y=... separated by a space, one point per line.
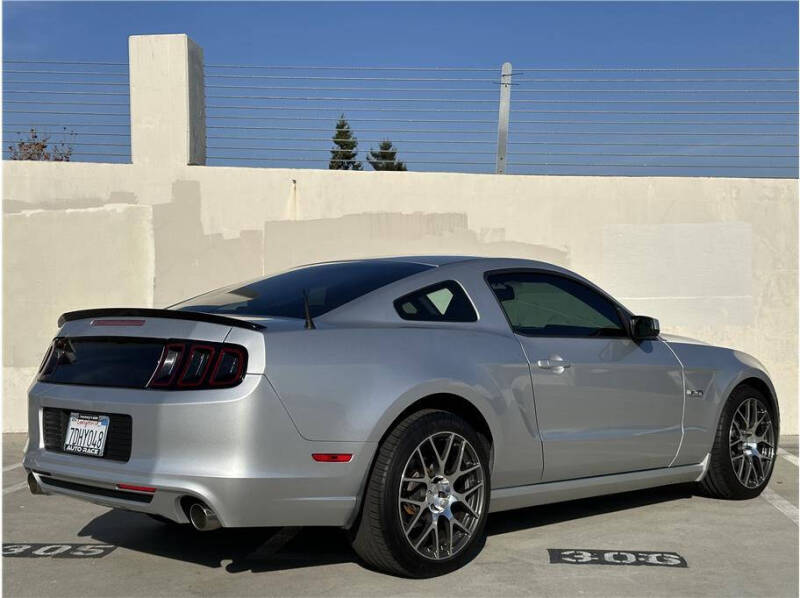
x=268 y=549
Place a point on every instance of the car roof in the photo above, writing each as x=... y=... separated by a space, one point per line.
x=445 y=260
x=377 y=305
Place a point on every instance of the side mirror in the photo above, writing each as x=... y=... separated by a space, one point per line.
x=644 y=327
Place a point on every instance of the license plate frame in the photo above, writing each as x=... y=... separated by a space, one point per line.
x=86 y=434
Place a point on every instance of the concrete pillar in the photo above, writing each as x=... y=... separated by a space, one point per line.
x=168 y=111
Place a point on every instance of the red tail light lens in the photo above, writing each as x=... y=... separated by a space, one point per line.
x=229 y=367
x=46 y=364
x=60 y=351
x=196 y=366
x=168 y=366
x=185 y=365
x=332 y=457
x=149 y=489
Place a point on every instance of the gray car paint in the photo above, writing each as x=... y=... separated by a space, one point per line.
x=339 y=388
x=617 y=408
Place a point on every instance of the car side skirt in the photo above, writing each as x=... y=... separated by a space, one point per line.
x=504 y=499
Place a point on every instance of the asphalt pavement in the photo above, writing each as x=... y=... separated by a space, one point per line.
x=60 y=547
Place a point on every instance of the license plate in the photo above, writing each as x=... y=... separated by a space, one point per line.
x=86 y=434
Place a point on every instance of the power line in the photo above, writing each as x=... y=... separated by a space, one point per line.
x=457 y=152
x=491 y=90
x=41 y=72
x=69 y=132
x=659 y=80
x=8 y=61
x=75 y=83
x=492 y=142
x=58 y=92
x=488 y=100
x=515 y=132
x=62 y=103
x=497 y=68
x=461 y=162
x=321 y=78
x=318 y=109
x=355 y=68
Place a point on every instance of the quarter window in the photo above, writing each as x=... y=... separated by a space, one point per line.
x=442 y=302
x=550 y=305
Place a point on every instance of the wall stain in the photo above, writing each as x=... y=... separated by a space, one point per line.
x=13 y=206
x=294 y=242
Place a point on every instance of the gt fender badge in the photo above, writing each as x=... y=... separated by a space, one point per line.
x=695 y=394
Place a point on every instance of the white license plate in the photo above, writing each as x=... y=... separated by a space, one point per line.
x=86 y=434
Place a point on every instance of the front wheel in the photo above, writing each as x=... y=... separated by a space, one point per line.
x=744 y=448
x=427 y=498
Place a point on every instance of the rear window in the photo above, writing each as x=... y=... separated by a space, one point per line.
x=328 y=286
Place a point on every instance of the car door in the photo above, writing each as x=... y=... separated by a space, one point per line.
x=604 y=403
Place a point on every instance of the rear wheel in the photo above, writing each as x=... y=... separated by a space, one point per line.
x=745 y=446
x=427 y=498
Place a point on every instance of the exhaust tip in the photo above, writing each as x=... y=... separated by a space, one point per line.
x=203 y=517
x=34 y=486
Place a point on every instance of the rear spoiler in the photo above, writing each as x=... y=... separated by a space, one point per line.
x=196 y=316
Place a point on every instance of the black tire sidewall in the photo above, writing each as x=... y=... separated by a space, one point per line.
x=415 y=564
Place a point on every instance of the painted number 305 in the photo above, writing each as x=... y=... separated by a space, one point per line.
x=69 y=551
x=616 y=557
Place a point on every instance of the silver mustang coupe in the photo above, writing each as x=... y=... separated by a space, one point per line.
x=403 y=399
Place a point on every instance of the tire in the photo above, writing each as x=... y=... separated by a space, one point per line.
x=396 y=515
x=743 y=457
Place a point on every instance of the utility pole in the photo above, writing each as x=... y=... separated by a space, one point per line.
x=502 y=117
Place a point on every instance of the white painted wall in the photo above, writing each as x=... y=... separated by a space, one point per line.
x=712 y=258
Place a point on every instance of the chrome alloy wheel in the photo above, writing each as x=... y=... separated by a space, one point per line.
x=442 y=495
x=752 y=443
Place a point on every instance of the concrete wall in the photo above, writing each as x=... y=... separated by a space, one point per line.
x=711 y=258
x=53 y=258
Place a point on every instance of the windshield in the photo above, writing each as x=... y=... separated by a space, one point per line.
x=328 y=286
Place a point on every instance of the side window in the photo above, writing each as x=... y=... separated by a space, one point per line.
x=550 y=305
x=441 y=302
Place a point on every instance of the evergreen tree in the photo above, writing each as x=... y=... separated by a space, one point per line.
x=343 y=157
x=385 y=157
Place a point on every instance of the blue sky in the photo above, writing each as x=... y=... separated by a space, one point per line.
x=479 y=33
x=594 y=34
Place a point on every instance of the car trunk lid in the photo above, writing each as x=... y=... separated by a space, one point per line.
x=125 y=347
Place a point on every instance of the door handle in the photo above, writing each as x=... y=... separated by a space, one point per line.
x=555 y=363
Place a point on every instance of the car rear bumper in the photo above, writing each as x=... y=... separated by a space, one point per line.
x=235 y=449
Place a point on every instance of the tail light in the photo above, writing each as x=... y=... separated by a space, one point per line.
x=185 y=365
x=127 y=362
x=46 y=364
x=167 y=369
x=59 y=351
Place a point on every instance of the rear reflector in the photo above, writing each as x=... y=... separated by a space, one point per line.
x=332 y=457
x=136 y=488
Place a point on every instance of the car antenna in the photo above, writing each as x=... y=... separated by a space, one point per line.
x=309 y=321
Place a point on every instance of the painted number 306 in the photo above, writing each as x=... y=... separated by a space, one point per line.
x=616 y=557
